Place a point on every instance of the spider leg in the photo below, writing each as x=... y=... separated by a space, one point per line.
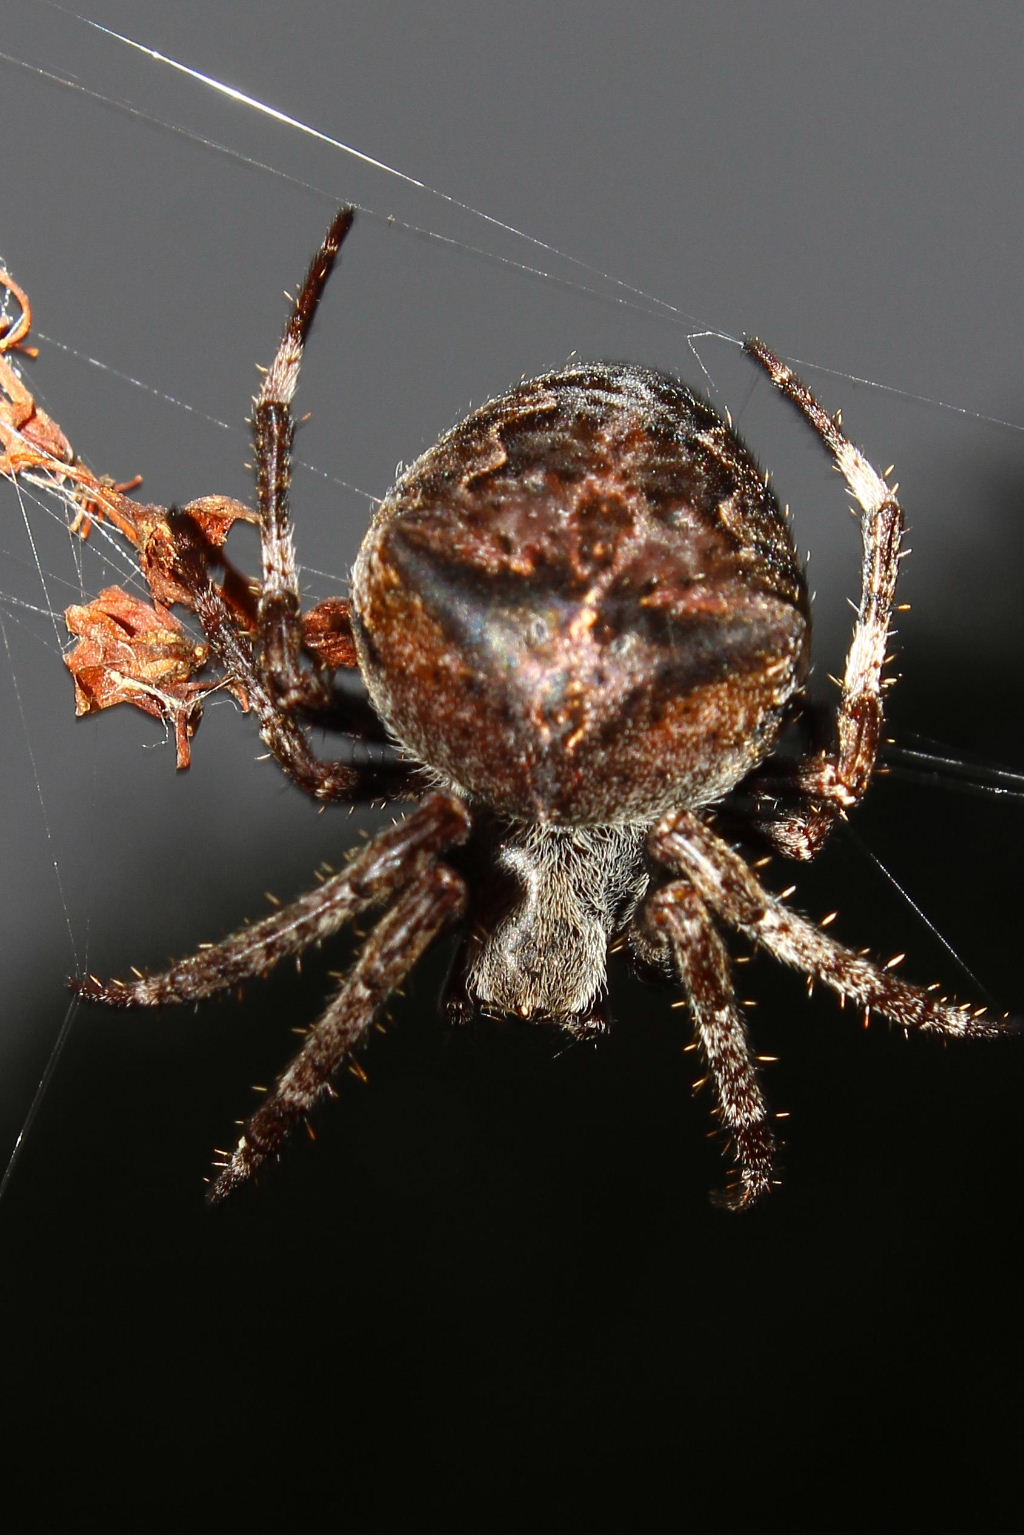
x=683 y=843
x=399 y=855
x=698 y=960
x=390 y=952
x=280 y=607
x=280 y=728
x=269 y=665
x=832 y=782
x=266 y=665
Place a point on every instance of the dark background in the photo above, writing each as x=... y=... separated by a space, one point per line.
x=494 y=1295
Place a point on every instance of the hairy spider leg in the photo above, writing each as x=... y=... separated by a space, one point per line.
x=717 y=882
x=697 y=960
x=687 y=846
x=402 y=861
x=281 y=730
x=435 y=896
x=280 y=607
x=832 y=782
x=268 y=666
x=390 y=861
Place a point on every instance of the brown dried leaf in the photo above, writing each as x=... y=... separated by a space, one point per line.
x=163 y=544
x=216 y=515
x=131 y=652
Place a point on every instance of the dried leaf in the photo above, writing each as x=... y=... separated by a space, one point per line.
x=216 y=515
x=131 y=652
x=160 y=534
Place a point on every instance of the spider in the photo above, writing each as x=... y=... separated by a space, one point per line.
x=581 y=620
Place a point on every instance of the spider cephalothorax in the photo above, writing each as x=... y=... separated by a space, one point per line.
x=581 y=623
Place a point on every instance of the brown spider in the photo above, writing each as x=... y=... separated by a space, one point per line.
x=581 y=620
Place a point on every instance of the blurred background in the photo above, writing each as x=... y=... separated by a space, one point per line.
x=494 y=1295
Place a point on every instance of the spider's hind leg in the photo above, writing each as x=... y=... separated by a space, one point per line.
x=677 y=921
x=390 y=952
x=393 y=860
x=684 y=843
x=402 y=865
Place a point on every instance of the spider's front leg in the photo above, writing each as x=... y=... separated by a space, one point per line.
x=268 y=664
x=402 y=862
x=280 y=606
x=678 y=923
x=832 y=782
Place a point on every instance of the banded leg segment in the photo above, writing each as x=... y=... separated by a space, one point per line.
x=394 y=859
x=832 y=782
x=280 y=605
x=698 y=958
x=390 y=952
x=683 y=843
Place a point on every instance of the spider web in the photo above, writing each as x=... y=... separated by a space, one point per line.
x=155 y=274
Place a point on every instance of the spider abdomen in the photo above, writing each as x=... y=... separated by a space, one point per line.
x=583 y=604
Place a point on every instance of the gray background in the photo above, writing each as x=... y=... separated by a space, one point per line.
x=507 y=1300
